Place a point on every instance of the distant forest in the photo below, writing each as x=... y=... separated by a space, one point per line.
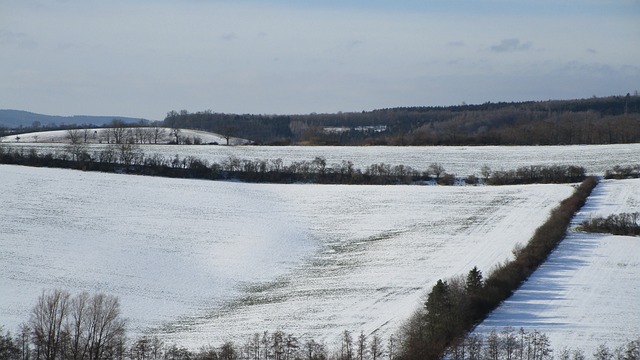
x=607 y=120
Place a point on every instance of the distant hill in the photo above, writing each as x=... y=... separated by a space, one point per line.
x=19 y=118
x=606 y=120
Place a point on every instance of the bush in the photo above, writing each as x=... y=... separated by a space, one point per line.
x=553 y=174
x=616 y=224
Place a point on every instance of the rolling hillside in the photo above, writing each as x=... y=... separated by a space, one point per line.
x=19 y=118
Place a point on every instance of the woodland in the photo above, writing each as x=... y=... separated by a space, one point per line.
x=607 y=120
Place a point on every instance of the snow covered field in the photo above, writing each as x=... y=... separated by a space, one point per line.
x=587 y=292
x=459 y=160
x=200 y=262
x=98 y=135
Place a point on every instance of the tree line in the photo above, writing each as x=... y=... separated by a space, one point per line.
x=90 y=327
x=128 y=158
x=605 y=120
x=118 y=133
x=510 y=344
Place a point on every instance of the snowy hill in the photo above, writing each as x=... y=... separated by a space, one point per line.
x=17 y=118
x=141 y=135
x=201 y=262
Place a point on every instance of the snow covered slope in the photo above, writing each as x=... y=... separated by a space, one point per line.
x=98 y=136
x=588 y=292
x=201 y=261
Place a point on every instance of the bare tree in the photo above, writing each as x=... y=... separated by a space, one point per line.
x=138 y=135
x=156 y=347
x=85 y=133
x=175 y=132
x=74 y=136
x=320 y=164
x=314 y=351
x=376 y=347
x=141 y=349
x=603 y=353
x=105 y=327
x=492 y=349
x=147 y=135
x=158 y=133
x=509 y=343
x=129 y=153
x=291 y=346
x=228 y=132
x=78 y=151
x=436 y=169
x=118 y=130
x=23 y=341
x=47 y=319
x=485 y=172
x=77 y=327
x=392 y=347
x=83 y=327
x=9 y=350
x=228 y=352
x=346 y=349
x=578 y=354
x=278 y=344
x=362 y=346
x=106 y=135
x=265 y=344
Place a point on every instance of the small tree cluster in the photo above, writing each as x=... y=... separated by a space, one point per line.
x=276 y=345
x=510 y=344
x=9 y=349
x=505 y=345
x=65 y=327
x=623 y=172
x=616 y=224
x=538 y=174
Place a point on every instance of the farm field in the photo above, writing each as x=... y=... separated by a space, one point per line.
x=98 y=136
x=200 y=262
x=459 y=160
x=586 y=293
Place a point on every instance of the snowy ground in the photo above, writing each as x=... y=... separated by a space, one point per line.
x=201 y=261
x=459 y=160
x=98 y=136
x=587 y=293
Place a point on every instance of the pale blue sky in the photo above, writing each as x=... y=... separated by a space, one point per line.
x=145 y=58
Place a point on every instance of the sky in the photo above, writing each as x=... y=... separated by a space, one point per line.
x=144 y=58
